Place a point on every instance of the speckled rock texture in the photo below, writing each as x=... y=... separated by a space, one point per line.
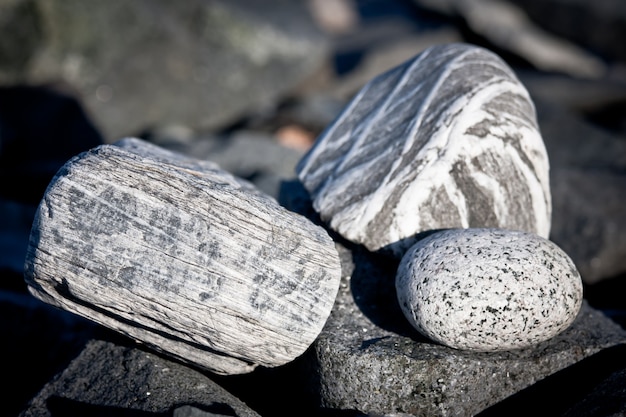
x=369 y=358
x=448 y=139
x=488 y=289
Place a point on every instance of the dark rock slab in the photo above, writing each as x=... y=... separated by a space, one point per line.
x=110 y=379
x=593 y=387
x=608 y=398
x=369 y=359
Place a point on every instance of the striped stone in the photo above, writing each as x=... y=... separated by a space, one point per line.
x=448 y=139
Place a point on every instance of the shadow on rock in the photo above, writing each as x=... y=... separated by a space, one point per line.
x=65 y=407
x=40 y=129
x=559 y=393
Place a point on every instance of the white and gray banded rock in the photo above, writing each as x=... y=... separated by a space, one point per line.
x=449 y=139
x=488 y=289
x=181 y=256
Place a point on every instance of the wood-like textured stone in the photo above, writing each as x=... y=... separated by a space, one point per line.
x=448 y=139
x=183 y=257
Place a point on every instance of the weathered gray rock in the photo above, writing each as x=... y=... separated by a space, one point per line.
x=488 y=289
x=381 y=47
x=183 y=257
x=507 y=27
x=597 y=25
x=145 y=64
x=591 y=99
x=593 y=205
x=125 y=379
x=587 y=166
x=367 y=339
x=449 y=139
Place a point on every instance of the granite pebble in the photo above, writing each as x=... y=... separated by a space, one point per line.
x=488 y=289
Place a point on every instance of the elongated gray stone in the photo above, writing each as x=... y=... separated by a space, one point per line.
x=448 y=139
x=183 y=257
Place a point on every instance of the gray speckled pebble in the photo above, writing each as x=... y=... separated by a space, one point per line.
x=488 y=289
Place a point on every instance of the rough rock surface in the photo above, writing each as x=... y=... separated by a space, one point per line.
x=181 y=256
x=109 y=379
x=488 y=289
x=367 y=339
x=448 y=139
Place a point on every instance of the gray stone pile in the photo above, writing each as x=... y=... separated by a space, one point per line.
x=475 y=288
x=463 y=208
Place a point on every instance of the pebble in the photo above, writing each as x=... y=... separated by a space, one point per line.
x=488 y=289
x=449 y=139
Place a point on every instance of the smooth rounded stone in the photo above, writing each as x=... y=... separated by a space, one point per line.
x=181 y=256
x=447 y=140
x=488 y=289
